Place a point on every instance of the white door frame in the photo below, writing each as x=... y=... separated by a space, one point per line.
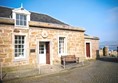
x=42 y=57
x=51 y=50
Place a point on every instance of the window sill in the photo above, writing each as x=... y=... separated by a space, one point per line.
x=62 y=55
x=22 y=27
x=19 y=59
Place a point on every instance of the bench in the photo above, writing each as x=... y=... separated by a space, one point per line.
x=69 y=58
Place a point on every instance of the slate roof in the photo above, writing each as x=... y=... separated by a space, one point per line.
x=7 y=13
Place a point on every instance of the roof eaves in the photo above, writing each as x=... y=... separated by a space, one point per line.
x=91 y=37
x=55 y=26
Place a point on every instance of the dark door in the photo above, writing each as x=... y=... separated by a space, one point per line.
x=47 y=53
x=88 y=49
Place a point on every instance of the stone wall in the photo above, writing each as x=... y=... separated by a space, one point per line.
x=7 y=33
x=94 y=48
x=111 y=53
x=75 y=43
x=100 y=52
x=6 y=49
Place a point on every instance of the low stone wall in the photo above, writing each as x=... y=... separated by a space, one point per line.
x=106 y=52
x=113 y=53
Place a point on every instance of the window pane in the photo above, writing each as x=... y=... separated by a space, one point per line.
x=41 y=48
x=21 y=19
x=15 y=46
x=25 y=23
x=24 y=17
x=17 y=22
x=41 y=52
x=22 y=53
x=15 y=41
x=17 y=16
x=22 y=37
x=19 y=46
x=23 y=50
x=15 y=50
x=16 y=55
x=19 y=41
x=22 y=41
x=21 y=22
x=19 y=37
x=61 y=45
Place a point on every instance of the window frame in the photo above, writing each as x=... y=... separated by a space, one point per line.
x=65 y=46
x=19 y=20
x=24 y=56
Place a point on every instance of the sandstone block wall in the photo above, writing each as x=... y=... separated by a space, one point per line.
x=75 y=44
x=7 y=33
x=111 y=53
x=6 y=49
x=94 y=47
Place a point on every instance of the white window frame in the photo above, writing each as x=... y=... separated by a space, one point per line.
x=65 y=46
x=21 y=57
x=19 y=20
x=21 y=11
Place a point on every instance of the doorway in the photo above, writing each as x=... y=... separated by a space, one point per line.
x=88 y=50
x=44 y=52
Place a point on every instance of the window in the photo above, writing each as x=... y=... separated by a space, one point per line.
x=21 y=20
x=41 y=48
x=62 y=45
x=19 y=46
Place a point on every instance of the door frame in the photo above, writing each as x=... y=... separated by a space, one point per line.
x=37 y=51
x=90 y=49
x=44 y=54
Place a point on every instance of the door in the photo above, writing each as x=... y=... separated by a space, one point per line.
x=42 y=53
x=47 y=53
x=88 y=49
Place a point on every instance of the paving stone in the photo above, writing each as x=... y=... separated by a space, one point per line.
x=96 y=72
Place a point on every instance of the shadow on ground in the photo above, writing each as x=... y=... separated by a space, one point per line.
x=109 y=59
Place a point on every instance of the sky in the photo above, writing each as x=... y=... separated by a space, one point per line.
x=98 y=17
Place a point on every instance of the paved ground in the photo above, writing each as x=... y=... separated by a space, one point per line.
x=100 y=71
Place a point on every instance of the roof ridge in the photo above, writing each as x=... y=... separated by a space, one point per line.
x=6 y=12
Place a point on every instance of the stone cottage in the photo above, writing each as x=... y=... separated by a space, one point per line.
x=31 y=38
